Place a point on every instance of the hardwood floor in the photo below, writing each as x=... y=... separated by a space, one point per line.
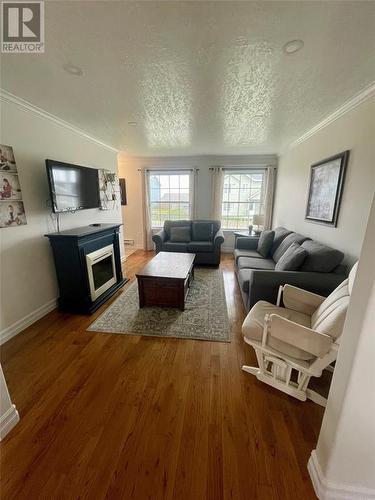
x=131 y=417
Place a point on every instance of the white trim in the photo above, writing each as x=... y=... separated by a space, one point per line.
x=27 y=320
x=349 y=105
x=193 y=161
x=30 y=108
x=328 y=490
x=8 y=421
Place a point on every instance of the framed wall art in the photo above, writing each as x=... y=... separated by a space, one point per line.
x=325 y=189
x=12 y=210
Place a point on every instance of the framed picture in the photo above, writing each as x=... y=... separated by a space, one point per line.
x=123 y=191
x=9 y=186
x=325 y=189
x=7 y=161
x=12 y=213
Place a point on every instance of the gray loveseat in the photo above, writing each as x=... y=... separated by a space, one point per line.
x=202 y=237
x=321 y=272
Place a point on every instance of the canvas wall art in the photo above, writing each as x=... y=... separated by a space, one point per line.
x=325 y=190
x=12 y=210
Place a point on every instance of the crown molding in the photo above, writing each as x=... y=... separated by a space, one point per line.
x=26 y=106
x=349 y=105
x=219 y=160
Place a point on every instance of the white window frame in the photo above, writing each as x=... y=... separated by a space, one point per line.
x=170 y=172
x=227 y=203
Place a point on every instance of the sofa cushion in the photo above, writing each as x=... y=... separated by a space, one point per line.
x=280 y=234
x=265 y=243
x=292 y=259
x=200 y=246
x=285 y=244
x=168 y=224
x=254 y=263
x=252 y=327
x=320 y=258
x=246 y=253
x=202 y=231
x=180 y=234
x=169 y=246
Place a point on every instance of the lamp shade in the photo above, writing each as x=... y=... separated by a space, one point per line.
x=258 y=220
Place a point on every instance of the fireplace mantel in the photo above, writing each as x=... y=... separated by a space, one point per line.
x=70 y=250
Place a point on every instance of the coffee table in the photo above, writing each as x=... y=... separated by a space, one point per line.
x=165 y=280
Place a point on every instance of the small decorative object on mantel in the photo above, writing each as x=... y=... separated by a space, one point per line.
x=12 y=210
x=109 y=189
x=325 y=190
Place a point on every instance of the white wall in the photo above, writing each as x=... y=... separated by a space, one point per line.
x=355 y=131
x=28 y=281
x=128 y=168
x=344 y=460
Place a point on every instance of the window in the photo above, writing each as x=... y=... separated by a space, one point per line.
x=169 y=197
x=242 y=198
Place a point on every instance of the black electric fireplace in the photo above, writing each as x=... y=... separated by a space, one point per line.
x=88 y=266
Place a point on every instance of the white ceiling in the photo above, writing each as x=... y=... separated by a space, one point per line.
x=197 y=77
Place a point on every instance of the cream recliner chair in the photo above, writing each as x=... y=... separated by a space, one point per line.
x=298 y=341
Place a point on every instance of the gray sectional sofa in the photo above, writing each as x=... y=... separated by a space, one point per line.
x=320 y=272
x=202 y=237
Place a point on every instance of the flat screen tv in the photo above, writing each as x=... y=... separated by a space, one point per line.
x=72 y=187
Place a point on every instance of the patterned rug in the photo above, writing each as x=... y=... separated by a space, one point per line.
x=205 y=316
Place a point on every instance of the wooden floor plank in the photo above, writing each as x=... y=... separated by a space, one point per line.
x=131 y=417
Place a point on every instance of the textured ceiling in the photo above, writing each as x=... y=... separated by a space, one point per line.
x=197 y=77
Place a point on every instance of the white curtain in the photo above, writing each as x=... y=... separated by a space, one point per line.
x=147 y=240
x=193 y=178
x=270 y=179
x=217 y=192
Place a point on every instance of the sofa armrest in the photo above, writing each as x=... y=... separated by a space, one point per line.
x=159 y=238
x=264 y=285
x=301 y=300
x=247 y=242
x=296 y=335
x=218 y=239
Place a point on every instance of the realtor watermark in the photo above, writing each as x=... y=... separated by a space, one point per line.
x=22 y=27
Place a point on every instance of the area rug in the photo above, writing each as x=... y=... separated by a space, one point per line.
x=205 y=316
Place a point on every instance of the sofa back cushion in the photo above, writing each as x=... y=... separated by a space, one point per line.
x=285 y=244
x=265 y=243
x=280 y=234
x=320 y=258
x=202 y=231
x=168 y=224
x=292 y=259
x=180 y=234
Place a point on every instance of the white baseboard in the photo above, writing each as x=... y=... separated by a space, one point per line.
x=26 y=321
x=328 y=490
x=8 y=421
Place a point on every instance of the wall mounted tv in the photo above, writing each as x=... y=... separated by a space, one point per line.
x=72 y=187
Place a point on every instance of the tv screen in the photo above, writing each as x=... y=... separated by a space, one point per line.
x=72 y=187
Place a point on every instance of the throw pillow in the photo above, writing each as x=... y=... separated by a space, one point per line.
x=292 y=258
x=202 y=231
x=180 y=234
x=265 y=243
x=320 y=258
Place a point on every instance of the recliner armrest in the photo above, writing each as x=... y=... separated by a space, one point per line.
x=296 y=335
x=247 y=242
x=218 y=239
x=301 y=300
